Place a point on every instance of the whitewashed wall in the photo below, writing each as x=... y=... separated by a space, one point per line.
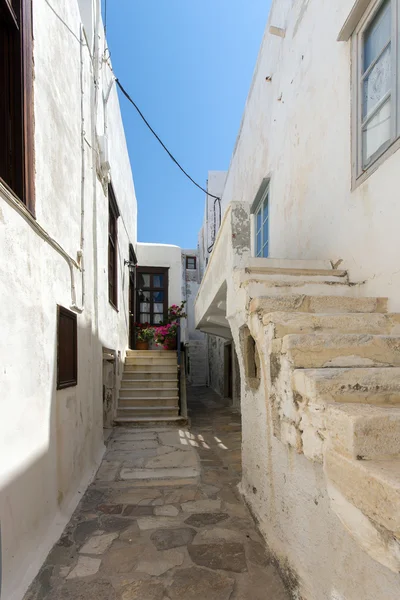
x=164 y=255
x=51 y=441
x=296 y=129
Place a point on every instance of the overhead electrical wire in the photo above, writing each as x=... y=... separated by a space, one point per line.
x=161 y=142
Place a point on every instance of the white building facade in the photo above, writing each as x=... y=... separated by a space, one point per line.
x=67 y=226
x=303 y=276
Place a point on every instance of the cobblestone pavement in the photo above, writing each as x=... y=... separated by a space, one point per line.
x=163 y=520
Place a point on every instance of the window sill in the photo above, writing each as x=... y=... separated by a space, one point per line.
x=63 y=386
x=357 y=181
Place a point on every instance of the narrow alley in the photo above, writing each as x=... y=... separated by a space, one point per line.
x=164 y=520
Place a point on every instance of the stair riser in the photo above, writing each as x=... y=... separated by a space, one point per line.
x=151 y=376
x=332 y=304
x=304 y=323
x=364 y=432
x=146 y=353
x=150 y=369
x=132 y=402
x=151 y=393
x=154 y=361
x=148 y=384
x=173 y=412
x=309 y=352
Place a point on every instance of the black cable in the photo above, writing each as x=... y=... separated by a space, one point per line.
x=162 y=144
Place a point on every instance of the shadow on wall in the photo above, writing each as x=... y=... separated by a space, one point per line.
x=47 y=474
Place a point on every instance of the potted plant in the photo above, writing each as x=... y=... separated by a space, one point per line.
x=144 y=335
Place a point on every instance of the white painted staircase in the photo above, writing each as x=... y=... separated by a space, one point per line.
x=149 y=389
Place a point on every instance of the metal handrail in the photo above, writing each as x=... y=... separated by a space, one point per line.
x=179 y=358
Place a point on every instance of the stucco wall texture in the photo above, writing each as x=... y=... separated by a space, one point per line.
x=296 y=129
x=51 y=441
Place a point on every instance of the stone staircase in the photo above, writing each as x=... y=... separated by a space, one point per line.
x=149 y=391
x=331 y=360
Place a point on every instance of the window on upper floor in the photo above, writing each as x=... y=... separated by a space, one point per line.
x=191 y=262
x=113 y=214
x=261 y=225
x=16 y=101
x=376 y=84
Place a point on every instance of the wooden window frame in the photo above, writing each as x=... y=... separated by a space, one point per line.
x=22 y=170
x=113 y=214
x=360 y=172
x=61 y=311
x=259 y=208
x=194 y=258
x=153 y=271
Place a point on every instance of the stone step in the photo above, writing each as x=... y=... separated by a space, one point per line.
x=271 y=277
x=148 y=411
x=364 y=432
x=375 y=386
x=317 y=304
x=150 y=421
x=150 y=368
x=172 y=401
x=135 y=392
x=150 y=360
x=341 y=350
x=150 y=376
x=373 y=486
x=373 y=323
x=149 y=384
x=151 y=352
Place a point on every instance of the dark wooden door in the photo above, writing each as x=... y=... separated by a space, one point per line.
x=152 y=295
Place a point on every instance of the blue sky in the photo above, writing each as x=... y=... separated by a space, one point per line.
x=188 y=65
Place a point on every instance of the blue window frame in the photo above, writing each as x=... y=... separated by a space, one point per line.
x=262 y=226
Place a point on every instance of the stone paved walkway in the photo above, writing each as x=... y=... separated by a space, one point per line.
x=163 y=520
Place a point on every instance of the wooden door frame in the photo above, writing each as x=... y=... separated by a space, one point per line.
x=153 y=271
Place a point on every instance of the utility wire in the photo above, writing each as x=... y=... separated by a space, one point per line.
x=162 y=144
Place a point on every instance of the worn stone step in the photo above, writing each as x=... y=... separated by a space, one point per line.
x=364 y=432
x=151 y=368
x=328 y=304
x=150 y=360
x=270 y=277
x=285 y=323
x=149 y=384
x=136 y=392
x=341 y=350
x=151 y=353
x=375 y=386
x=373 y=486
x=142 y=401
x=148 y=411
x=150 y=376
x=151 y=421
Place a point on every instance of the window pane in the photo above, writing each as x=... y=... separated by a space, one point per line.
x=265 y=232
x=259 y=220
x=158 y=308
x=378 y=34
x=258 y=243
x=265 y=251
x=144 y=307
x=158 y=281
x=144 y=318
x=265 y=209
x=158 y=318
x=144 y=280
x=377 y=132
x=378 y=82
x=158 y=296
x=144 y=296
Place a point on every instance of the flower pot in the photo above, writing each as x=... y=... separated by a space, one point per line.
x=142 y=345
x=170 y=344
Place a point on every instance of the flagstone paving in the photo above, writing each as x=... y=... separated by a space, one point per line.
x=163 y=520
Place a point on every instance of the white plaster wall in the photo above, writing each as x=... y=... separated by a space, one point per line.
x=51 y=441
x=297 y=129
